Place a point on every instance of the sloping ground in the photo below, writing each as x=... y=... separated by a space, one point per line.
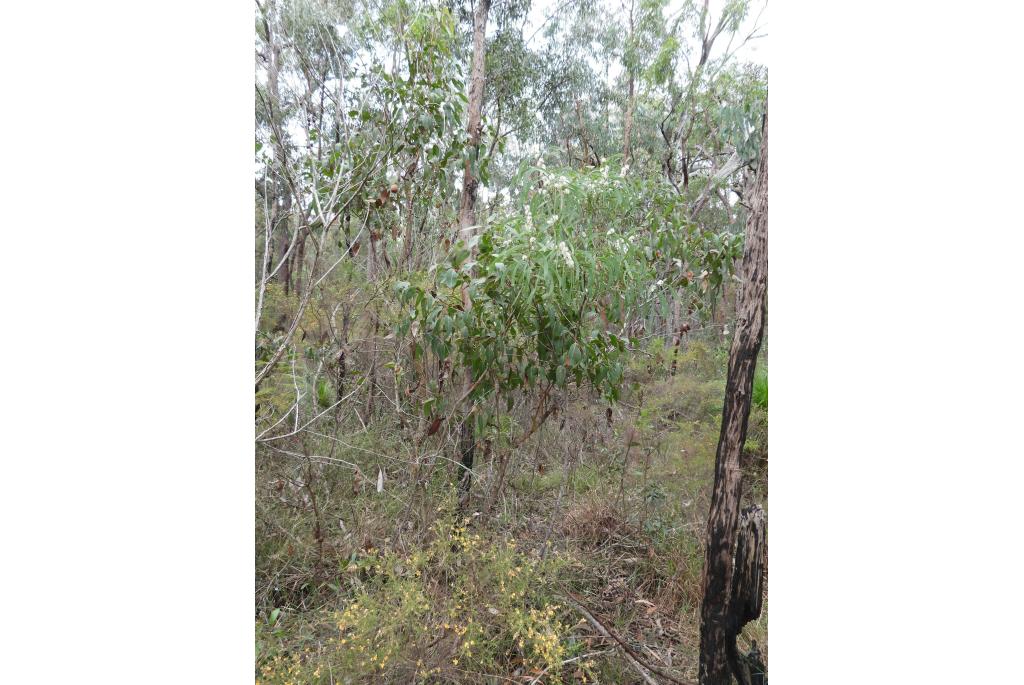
x=592 y=551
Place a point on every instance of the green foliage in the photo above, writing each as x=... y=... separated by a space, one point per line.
x=564 y=299
x=555 y=278
x=759 y=396
x=496 y=612
x=324 y=394
x=742 y=93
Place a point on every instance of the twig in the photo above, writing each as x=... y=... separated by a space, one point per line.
x=567 y=661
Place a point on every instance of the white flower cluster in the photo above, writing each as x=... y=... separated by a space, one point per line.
x=554 y=181
x=566 y=253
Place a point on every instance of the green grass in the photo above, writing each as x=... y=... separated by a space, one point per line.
x=409 y=566
x=760 y=394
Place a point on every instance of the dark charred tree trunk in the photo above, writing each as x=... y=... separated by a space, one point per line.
x=682 y=330
x=467 y=448
x=748 y=593
x=723 y=612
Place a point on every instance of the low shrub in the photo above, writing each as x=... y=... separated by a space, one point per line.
x=456 y=608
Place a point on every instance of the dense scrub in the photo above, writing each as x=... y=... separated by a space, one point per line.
x=490 y=359
x=404 y=585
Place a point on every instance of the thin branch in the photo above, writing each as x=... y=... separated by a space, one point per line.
x=638 y=661
x=604 y=633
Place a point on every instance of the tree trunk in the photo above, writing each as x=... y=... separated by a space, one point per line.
x=467 y=203
x=722 y=616
x=630 y=103
x=280 y=146
x=748 y=592
x=629 y=123
x=298 y=257
x=409 y=219
x=283 y=217
x=467 y=209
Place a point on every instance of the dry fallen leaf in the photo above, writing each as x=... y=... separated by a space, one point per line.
x=434 y=426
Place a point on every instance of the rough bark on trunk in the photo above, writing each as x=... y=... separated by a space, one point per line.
x=721 y=616
x=748 y=592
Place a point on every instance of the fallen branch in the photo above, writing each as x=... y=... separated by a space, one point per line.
x=639 y=662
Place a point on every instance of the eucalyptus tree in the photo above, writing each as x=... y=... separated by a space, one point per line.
x=733 y=573
x=515 y=209
x=545 y=296
x=646 y=31
x=361 y=122
x=698 y=119
x=573 y=96
x=509 y=106
x=687 y=70
x=468 y=222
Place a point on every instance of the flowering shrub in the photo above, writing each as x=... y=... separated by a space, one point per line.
x=458 y=606
x=537 y=632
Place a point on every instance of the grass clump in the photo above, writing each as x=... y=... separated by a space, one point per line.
x=759 y=396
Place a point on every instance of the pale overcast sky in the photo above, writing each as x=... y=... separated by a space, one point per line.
x=753 y=51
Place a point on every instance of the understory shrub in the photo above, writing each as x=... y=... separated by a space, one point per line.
x=456 y=608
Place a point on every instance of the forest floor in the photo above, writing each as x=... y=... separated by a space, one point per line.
x=599 y=522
